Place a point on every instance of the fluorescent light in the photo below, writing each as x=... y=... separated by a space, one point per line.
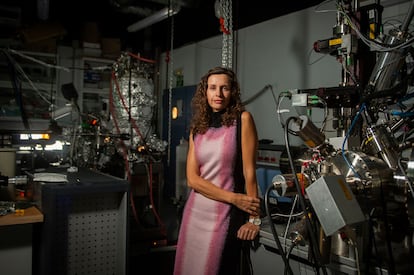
x=34 y=136
x=154 y=18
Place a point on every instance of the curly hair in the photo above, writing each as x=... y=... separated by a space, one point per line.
x=201 y=110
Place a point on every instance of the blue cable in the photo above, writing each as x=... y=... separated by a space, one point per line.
x=363 y=106
x=402 y=114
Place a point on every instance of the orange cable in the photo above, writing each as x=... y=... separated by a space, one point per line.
x=141 y=58
x=125 y=154
x=152 y=198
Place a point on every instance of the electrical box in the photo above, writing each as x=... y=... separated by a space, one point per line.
x=334 y=203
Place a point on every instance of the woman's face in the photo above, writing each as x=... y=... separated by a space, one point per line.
x=218 y=91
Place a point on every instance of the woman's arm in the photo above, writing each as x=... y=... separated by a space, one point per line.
x=249 y=231
x=249 y=143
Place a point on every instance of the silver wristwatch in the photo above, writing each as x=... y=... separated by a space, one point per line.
x=255 y=221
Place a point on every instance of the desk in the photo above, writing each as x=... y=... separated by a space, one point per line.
x=16 y=241
x=31 y=215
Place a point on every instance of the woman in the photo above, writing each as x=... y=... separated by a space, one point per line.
x=223 y=208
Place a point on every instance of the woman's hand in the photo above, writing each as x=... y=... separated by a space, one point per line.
x=248 y=204
x=248 y=231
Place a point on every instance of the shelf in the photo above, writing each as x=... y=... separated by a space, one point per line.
x=92 y=90
x=264 y=163
x=28 y=85
x=14 y=124
x=94 y=83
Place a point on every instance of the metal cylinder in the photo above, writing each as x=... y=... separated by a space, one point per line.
x=388 y=63
x=284 y=184
x=339 y=246
x=324 y=246
x=308 y=132
x=383 y=144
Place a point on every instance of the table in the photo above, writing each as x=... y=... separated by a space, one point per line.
x=31 y=215
x=16 y=238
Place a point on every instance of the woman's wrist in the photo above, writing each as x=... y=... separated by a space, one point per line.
x=255 y=220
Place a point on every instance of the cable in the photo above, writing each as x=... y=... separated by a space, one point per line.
x=259 y=93
x=292 y=246
x=288 y=269
x=387 y=232
x=38 y=61
x=316 y=100
x=127 y=109
x=141 y=58
x=72 y=147
x=151 y=183
x=312 y=239
x=290 y=217
x=279 y=112
x=17 y=90
x=371 y=243
x=288 y=255
x=361 y=109
x=123 y=145
x=356 y=256
x=21 y=71
x=169 y=83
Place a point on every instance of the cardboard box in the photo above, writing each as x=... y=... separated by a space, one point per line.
x=41 y=32
x=43 y=46
x=90 y=32
x=111 y=47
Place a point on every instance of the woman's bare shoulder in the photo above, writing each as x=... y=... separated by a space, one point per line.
x=246 y=116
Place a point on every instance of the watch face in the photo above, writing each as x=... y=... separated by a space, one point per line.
x=255 y=221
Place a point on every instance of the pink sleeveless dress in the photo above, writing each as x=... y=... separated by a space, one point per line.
x=207 y=242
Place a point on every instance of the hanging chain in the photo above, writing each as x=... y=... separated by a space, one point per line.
x=226 y=7
x=170 y=83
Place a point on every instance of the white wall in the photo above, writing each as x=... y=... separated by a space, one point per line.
x=276 y=52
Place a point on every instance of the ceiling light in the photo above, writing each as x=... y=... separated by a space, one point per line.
x=154 y=18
